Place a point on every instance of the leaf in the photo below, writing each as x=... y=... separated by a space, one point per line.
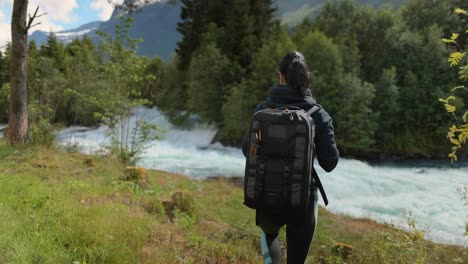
x=453 y=156
x=465 y=116
x=463 y=73
x=455 y=142
x=447 y=100
x=455 y=58
x=461 y=11
x=452 y=38
x=450 y=108
x=457 y=88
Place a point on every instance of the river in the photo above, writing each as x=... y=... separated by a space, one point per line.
x=386 y=193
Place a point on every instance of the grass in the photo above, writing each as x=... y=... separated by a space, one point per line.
x=60 y=207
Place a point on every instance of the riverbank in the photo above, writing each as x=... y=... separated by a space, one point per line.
x=373 y=156
x=62 y=207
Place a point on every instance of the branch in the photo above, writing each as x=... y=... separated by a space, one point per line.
x=31 y=19
x=35 y=24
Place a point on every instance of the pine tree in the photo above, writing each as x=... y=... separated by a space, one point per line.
x=245 y=24
x=191 y=27
x=3 y=69
x=54 y=50
x=386 y=104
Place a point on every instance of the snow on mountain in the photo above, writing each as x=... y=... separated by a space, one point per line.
x=65 y=36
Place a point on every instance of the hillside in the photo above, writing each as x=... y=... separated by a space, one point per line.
x=65 y=36
x=292 y=12
x=156 y=24
x=59 y=206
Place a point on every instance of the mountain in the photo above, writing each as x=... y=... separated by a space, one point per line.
x=292 y=12
x=156 y=24
x=65 y=36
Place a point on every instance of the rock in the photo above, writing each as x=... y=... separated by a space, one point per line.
x=341 y=249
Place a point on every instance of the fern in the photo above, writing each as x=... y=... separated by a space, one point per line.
x=463 y=73
x=458 y=132
x=461 y=11
x=455 y=58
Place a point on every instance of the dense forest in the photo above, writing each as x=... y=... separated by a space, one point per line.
x=378 y=72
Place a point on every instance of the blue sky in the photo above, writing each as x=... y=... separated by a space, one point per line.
x=84 y=14
x=61 y=14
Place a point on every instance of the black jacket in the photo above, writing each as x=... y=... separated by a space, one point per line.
x=325 y=146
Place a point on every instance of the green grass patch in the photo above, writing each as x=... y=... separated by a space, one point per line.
x=60 y=207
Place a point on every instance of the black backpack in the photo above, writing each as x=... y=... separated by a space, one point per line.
x=279 y=170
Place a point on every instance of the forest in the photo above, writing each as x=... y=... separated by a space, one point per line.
x=378 y=72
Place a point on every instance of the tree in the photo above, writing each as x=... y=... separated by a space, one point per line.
x=326 y=67
x=191 y=27
x=243 y=97
x=386 y=104
x=420 y=14
x=18 y=115
x=355 y=121
x=18 y=121
x=458 y=132
x=3 y=67
x=208 y=76
x=124 y=70
x=245 y=24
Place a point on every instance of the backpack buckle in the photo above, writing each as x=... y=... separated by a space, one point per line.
x=286 y=171
x=262 y=168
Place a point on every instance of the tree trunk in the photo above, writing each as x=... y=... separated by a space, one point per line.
x=18 y=116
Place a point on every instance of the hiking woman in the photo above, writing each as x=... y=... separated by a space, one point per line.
x=293 y=91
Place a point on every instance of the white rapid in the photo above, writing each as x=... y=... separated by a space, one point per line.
x=354 y=188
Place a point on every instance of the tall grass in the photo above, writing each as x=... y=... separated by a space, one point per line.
x=61 y=207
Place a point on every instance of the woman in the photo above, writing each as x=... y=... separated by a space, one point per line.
x=293 y=90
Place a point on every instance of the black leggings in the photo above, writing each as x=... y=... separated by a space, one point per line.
x=300 y=227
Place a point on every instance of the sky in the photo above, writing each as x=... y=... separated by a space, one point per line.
x=61 y=14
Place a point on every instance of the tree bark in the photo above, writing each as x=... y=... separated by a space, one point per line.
x=18 y=116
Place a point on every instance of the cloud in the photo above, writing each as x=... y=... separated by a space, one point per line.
x=5 y=29
x=6 y=2
x=58 y=11
x=104 y=8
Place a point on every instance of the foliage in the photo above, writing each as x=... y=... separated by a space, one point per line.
x=242 y=98
x=245 y=24
x=41 y=130
x=207 y=78
x=378 y=73
x=73 y=209
x=458 y=132
x=4 y=101
x=386 y=104
x=125 y=71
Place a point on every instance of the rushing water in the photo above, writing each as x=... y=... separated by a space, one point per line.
x=355 y=188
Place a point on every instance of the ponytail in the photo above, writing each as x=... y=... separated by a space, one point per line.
x=296 y=72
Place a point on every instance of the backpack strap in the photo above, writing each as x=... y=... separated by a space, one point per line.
x=314 y=109
x=320 y=186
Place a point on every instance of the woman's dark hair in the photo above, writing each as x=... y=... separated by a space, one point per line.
x=294 y=68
